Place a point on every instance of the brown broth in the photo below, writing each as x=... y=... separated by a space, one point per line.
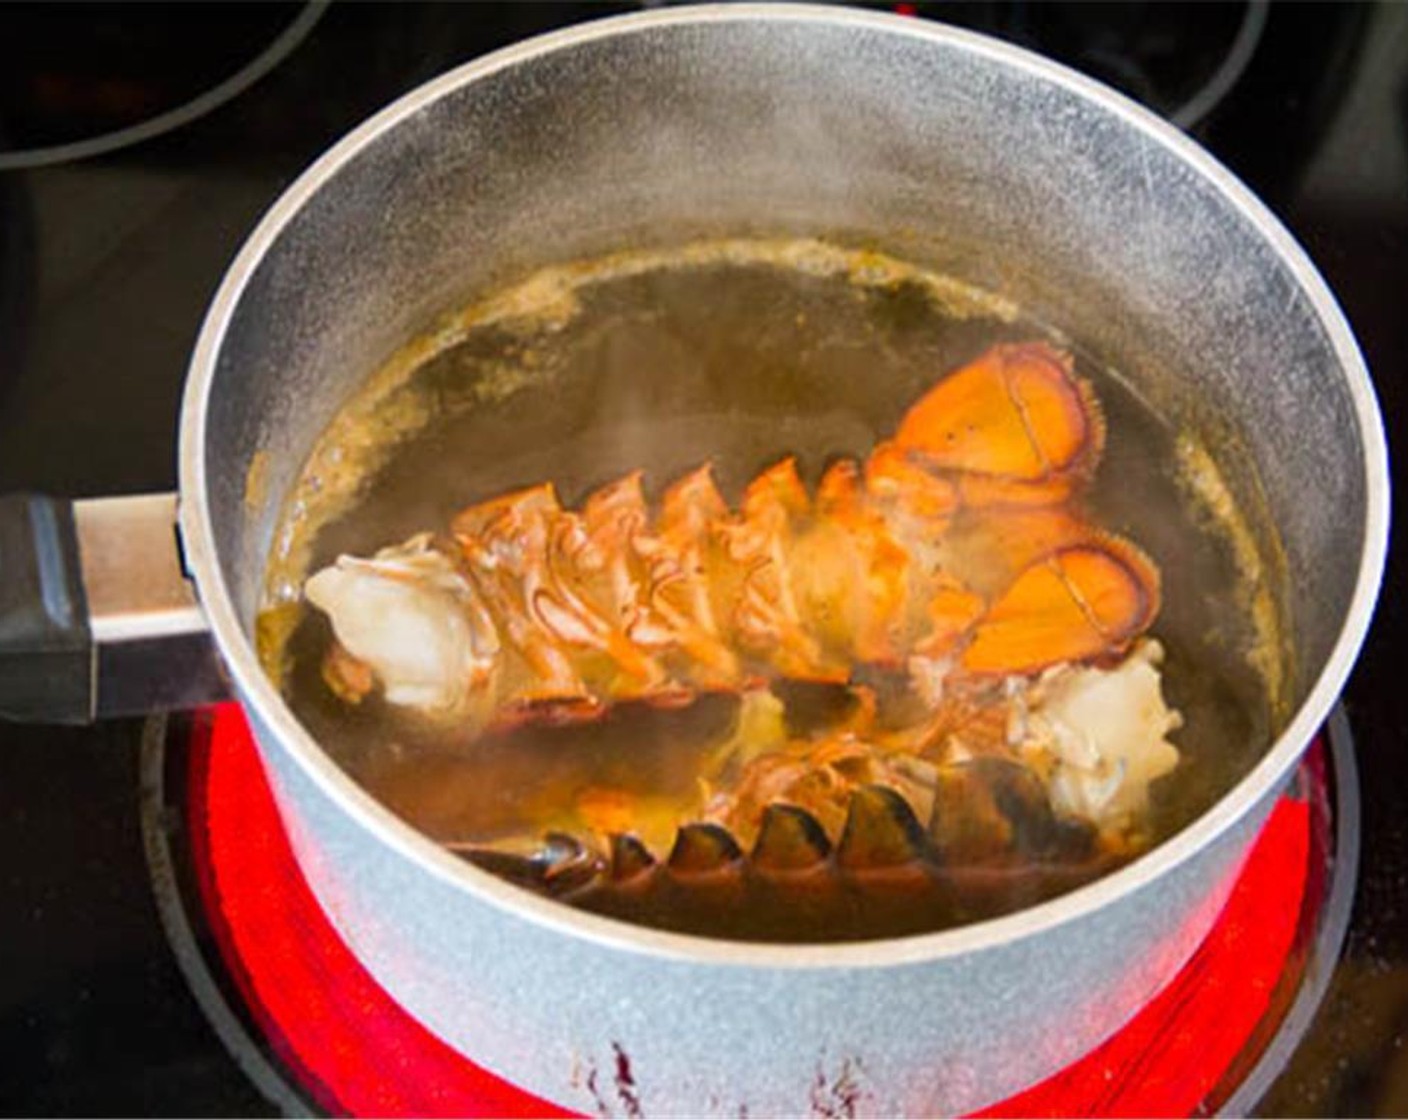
x=737 y=362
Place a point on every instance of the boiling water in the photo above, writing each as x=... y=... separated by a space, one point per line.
x=738 y=363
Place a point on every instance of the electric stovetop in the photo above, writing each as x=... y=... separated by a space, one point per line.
x=138 y=147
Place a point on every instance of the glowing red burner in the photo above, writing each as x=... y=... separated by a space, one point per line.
x=357 y=1052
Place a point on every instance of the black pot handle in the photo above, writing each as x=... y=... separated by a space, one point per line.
x=46 y=647
x=97 y=615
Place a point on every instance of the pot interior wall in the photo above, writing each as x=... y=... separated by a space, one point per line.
x=878 y=134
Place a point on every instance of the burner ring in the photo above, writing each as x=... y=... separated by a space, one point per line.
x=1315 y=825
x=1229 y=72
x=1329 y=937
x=279 y=49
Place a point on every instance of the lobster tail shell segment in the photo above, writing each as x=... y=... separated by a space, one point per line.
x=990 y=808
x=1016 y=413
x=630 y=858
x=881 y=831
x=789 y=840
x=703 y=848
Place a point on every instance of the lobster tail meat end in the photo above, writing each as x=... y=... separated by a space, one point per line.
x=409 y=620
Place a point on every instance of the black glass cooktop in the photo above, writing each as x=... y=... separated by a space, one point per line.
x=139 y=144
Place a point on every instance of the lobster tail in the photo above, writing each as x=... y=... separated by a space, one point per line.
x=888 y=874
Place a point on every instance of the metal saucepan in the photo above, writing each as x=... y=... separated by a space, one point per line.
x=944 y=147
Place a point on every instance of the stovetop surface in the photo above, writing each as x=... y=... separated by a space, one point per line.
x=108 y=261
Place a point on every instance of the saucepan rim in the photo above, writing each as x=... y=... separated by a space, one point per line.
x=260 y=695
